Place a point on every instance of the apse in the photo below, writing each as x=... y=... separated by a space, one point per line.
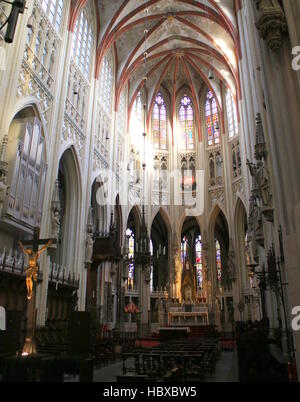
x=221 y=248
x=191 y=249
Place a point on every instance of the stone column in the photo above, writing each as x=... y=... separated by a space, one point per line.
x=144 y=290
x=176 y=277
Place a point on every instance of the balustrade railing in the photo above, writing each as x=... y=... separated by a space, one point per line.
x=11 y=261
x=61 y=275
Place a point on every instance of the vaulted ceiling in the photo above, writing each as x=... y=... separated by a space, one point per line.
x=184 y=40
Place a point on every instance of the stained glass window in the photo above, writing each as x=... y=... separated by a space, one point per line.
x=218 y=264
x=231 y=115
x=212 y=120
x=199 y=269
x=184 y=246
x=151 y=268
x=186 y=121
x=131 y=275
x=160 y=123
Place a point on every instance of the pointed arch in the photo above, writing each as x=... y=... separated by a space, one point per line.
x=240 y=231
x=136 y=214
x=69 y=170
x=30 y=102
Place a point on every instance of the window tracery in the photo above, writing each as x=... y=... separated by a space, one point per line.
x=186 y=124
x=159 y=121
x=212 y=120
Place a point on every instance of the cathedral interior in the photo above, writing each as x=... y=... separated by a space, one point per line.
x=149 y=194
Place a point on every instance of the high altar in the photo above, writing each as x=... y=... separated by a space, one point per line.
x=192 y=308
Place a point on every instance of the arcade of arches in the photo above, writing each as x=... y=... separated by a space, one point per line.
x=174 y=120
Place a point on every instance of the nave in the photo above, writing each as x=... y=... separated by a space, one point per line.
x=149 y=189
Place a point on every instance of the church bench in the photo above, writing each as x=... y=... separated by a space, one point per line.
x=173 y=375
x=131 y=378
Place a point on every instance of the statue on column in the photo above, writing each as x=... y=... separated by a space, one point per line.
x=4 y=188
x=89 y=243
x=55 y=212
x=55 y=215
x=263 y=180
x=89 y=247
x=261 y=184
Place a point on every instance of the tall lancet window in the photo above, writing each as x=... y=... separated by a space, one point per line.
x=231 y=115
x=184 y=247
x=212 y=120
x=82 y=43
x=122 y=114
x=54 y=11
x=136 y=122
x=131 y=275
x=106 y=83
x=151 y=268
x=160 y=123
x=199 y=268
x=218 y=263
x=186 y=122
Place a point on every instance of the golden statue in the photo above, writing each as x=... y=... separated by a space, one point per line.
x=33 y=266
x=188 y=282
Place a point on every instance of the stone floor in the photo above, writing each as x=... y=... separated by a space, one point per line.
x=226 y=370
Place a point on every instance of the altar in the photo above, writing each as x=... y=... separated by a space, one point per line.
x=193 y=315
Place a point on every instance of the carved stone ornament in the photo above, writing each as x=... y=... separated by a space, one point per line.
x=89 y=247
x=4 y=187
x=55 y=213
x=231 y=271
x=271 y=23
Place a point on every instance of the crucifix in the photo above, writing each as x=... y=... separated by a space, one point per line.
x=34 y=253
x=31 y=276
